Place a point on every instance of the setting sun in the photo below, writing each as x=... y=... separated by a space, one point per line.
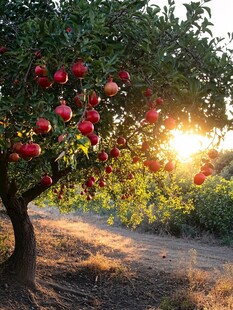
x=187 y=144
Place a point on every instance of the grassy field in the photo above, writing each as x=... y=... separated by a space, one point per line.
x=84 y=264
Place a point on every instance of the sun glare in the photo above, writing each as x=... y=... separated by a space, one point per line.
x=187 y=144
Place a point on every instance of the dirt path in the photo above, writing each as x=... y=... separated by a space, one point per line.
x=145 y=250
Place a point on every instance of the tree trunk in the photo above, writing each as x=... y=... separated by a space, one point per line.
x=22 y=262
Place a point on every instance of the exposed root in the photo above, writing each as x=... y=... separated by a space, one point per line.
x=60 y=288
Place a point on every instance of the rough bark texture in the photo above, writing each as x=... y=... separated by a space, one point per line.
x=22 y=262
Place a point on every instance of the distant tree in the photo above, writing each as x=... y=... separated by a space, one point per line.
x=223 y=163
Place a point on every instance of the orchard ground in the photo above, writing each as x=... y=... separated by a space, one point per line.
x=85 y=264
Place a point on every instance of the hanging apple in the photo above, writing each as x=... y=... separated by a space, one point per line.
x=108 y=169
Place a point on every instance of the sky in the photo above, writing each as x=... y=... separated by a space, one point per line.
x=221 y=14
x=221 y=17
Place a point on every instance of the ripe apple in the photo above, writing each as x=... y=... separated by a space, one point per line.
x=213 y=154
x=102 y=183
x=130 y=176
x=90 y=183
x=16 y=147
x=3 y=49
x=30 y=150
x=79 y=100
x=147 y=162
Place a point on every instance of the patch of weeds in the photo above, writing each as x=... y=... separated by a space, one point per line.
x=4 y=249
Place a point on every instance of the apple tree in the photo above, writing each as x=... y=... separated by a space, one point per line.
x=77 y=76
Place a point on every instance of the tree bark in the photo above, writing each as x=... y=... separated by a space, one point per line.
x=22 y=262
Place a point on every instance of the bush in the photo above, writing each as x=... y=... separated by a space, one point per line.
x=213 y=204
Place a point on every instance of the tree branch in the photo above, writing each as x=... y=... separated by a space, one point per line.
x=38 y=189
x=3 y=175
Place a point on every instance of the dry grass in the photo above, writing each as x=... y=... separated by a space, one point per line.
x=99 y=264
x=206 y=290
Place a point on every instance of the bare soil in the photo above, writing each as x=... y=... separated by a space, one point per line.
x=85 y=264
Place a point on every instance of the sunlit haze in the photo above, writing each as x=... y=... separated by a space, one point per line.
x=186 y=144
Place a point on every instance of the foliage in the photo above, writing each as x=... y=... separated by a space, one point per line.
x=223 y=164
x=160 y=51
x=214 y=206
